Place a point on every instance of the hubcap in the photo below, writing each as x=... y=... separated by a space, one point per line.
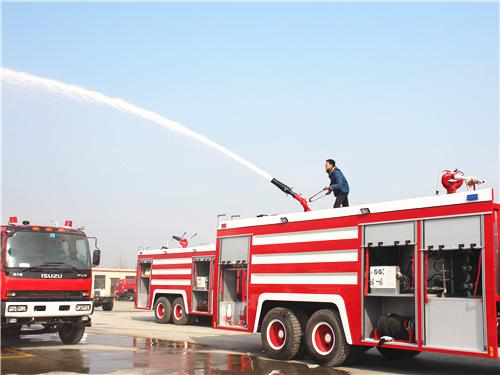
x=178 y=312
x=160 y=310
x=323 y=338
x=276 y=334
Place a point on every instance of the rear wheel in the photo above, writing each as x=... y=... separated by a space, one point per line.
x=302 y=317
x=71 y=334
x=325 y=338
x=281 y=333
x=179 y=315
x=395 y=354
x=163 y=310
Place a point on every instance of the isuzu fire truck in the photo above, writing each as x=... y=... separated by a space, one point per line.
x=45 y=280
x=405 y=277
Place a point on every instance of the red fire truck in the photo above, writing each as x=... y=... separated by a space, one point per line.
x=405 y=277
x=124 y=289
x=177 y=283
x=45 y=280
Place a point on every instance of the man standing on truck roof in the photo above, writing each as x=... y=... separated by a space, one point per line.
x=338 y=184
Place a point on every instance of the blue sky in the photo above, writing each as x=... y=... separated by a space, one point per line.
x=394 y=92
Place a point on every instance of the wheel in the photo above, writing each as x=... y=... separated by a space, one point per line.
x=71 y=334
x=179 y=315
x=395 y=354
x=325 y=338
x=108 y=306
x=302 y=317
x=11 y=331
x=281 y=333
x=163 y=310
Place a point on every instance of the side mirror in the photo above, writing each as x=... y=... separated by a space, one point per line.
x=96 y=257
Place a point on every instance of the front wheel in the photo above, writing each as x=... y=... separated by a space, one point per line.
x=71 y=334
x=325 y=338
x=281 y=333
x=11 y=331
x=108 y=306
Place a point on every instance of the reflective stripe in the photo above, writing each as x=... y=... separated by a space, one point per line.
x=331 y=256
x=173 y=271
x=337 y=278
x=173 y=261
x=306 y=236
x=170 y=282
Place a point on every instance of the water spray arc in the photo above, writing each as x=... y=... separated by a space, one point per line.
x=81 y=94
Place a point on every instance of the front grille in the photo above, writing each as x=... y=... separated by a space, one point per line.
x=49 y=295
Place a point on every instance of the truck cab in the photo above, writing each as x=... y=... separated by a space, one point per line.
x=46 y=280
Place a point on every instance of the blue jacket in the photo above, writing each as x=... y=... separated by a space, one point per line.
x=338 y=182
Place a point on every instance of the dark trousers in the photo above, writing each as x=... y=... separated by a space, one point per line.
x=341 y=200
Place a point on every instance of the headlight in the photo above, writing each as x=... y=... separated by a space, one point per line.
x=85 y=307
x=17 y=308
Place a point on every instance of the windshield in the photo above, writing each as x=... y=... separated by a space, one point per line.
x=40 y=249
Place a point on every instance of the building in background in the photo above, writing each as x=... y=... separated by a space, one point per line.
x=103 y=284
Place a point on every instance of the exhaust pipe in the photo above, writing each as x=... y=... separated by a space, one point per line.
x=288 y=190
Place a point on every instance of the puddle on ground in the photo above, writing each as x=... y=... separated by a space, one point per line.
x=144 y=355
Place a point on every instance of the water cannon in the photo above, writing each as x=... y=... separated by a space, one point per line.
x=183 y=241
x=288 y=190
x=453 y=179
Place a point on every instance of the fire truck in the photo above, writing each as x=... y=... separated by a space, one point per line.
x=46 y=280
x=407 y=276
x=124 y=289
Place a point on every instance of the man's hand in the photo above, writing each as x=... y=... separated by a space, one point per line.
x=328 y=190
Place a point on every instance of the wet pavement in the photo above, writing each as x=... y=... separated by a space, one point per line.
x=112 y=354
x=128 y=341
x=98 y=354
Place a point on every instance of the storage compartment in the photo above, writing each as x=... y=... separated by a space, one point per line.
x=233 y=296
x=389 y=316
x=233 y=287
x=201 y=301
x=390 y=270
x=143 y=283
x=202 y=270
x=454 y=273
x=389 y=301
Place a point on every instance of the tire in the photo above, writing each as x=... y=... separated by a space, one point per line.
x=163 y=310
x=396 y=354
x=11 y=331
x=71 y=334
x=302 y=317
x=325 y=338
x=179 y=316
x=108 y=306
x=281 y=333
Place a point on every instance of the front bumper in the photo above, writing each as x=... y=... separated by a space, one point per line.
x=46 y=309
